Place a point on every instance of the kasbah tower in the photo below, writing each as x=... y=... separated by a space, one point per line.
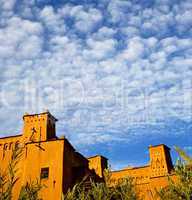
x=56 y=164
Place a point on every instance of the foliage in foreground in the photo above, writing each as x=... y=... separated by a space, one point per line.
x=123 y=190
x=30 y=191
x=9 y=178
x=182 y=189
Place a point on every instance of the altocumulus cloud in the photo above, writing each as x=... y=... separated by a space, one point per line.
x=103 y=68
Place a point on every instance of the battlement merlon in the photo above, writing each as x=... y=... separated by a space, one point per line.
x=40 y=114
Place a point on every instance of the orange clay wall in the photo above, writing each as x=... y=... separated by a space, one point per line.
x=62 y=166
x=37 y=153
x=98 y=163
x=6 y=147
x=42 y=150
x=45 y=155
x=152 y=177
x=75 y=166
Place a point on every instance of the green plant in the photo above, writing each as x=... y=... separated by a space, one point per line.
x=30 y=191
x=182 y=188
x=9 y=177
x=100 y=191
x=106 y=190
x=72 y=193
x=125 y=189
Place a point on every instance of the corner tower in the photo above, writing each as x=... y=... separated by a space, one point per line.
x=99 y=164
x=160 y=160
x=39 y=127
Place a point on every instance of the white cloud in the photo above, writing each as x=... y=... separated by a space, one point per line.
x=100 y=49
x=7 y=4
x=52 y=20
x=130 y=31
x=134 y=50
x=86 y=20
x=184 y=18
x=20 y=38
x=30 y=48
x=116 y=8
x=104 y=33
x=93 y=67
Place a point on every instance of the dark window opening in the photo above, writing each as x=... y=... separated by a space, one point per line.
x=44 y=173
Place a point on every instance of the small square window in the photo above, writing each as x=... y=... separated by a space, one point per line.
x=44 y=173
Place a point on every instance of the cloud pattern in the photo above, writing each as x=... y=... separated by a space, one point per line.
x=106 y=69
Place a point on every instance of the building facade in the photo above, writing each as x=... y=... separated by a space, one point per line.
x=56 y=164
x=152 y=177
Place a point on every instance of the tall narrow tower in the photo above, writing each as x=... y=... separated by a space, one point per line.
x=160 y=160
x=39 y=127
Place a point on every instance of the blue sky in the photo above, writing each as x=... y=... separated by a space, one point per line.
x=116 y=73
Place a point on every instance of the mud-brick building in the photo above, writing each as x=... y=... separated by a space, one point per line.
x=59 y=166
x=153 y=176
x=51 y=159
